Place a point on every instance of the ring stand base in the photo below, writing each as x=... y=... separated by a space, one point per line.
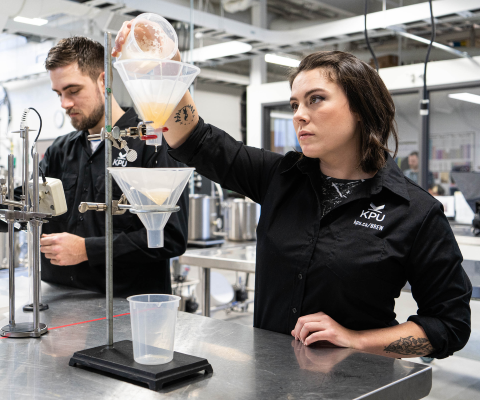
x=29 y=307
x=23 y=330
x=118 y=360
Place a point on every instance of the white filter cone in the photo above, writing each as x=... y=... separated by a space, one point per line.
x=156 y=87
x=148 y=188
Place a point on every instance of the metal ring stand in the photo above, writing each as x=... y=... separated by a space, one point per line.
x=28 y=213
x=117 y=358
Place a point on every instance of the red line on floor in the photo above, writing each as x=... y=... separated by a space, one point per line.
x=86 y=322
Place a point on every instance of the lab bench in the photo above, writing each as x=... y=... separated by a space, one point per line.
x=248 y=363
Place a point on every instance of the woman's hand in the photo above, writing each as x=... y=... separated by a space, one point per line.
x=121 y=37
x=143 y=30
x=314 y=327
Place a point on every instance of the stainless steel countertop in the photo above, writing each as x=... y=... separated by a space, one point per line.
x=248 y=363
x=239 y=257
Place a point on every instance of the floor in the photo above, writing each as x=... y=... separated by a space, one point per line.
x=454 y=378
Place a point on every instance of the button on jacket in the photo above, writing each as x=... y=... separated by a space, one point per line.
x=136 y=268
x=352 y=263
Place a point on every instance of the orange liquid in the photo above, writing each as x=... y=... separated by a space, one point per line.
x=156 y=112
x=158 y=196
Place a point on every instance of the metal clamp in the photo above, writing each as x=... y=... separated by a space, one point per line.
x=85 y=206
x=117 y=134
x=117 y=208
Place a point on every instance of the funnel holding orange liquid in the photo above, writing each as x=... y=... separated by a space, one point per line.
x=156 y=87
x=156 y=112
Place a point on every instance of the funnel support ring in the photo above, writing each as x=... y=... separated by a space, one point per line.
x=155 y=210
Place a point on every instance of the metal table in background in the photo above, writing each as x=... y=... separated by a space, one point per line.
x=248 y=363
x=470 y=247
x=239 y=258
x=242 y=258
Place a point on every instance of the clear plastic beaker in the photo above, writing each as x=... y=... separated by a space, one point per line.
x=151 y=36
x=153 y=318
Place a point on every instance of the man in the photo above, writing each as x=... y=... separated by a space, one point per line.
x=413 y=169
x=73 y=244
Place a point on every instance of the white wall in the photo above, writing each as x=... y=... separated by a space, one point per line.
x=220 y=106
x=34 y=93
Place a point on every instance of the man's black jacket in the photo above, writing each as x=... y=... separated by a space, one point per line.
x=136 y=268
x=352 y=263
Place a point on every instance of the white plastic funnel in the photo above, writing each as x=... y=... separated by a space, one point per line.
x=148 y=188
x=156 y=87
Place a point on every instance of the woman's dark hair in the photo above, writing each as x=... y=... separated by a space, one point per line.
x=367 y=96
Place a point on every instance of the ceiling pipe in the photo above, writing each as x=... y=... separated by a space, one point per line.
x=440 y=46
x=377 y=20
x=233 y=6
x=45 y=8
x=41 y=9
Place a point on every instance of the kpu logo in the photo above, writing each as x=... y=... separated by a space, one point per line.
x=120 y=161
x=374 y=212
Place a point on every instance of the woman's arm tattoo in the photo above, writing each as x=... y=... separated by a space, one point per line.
x=185 y=115
x=410 y=346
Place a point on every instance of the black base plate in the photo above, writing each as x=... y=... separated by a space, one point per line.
x=118 y=360
x=29 y=307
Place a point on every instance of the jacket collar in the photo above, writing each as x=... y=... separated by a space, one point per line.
x=390 y=176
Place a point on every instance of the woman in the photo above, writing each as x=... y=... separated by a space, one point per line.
x=341 y=229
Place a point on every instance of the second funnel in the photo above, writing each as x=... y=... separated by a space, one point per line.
x=148 y=188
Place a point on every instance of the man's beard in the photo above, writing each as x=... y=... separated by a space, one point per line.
x=86 y=123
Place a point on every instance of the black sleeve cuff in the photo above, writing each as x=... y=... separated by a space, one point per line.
x=185 y=152
x=436 y=333
x=95 y=247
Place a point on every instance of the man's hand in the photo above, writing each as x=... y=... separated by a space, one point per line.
x=314 y=327
x=63 y=248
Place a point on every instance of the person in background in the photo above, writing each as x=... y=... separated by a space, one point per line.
x=437 y=190
x=414 y=168
x=73 y=244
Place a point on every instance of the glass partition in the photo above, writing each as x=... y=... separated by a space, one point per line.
x=280 y=134
x=454 y=134
x=408 y=127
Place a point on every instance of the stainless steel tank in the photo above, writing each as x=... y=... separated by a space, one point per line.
x=203 y=219
x=241 y=219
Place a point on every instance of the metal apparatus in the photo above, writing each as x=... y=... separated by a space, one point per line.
x=114 y=136
x=142 y=131
x=118 y=358
x=23 y=212
x=241 y=219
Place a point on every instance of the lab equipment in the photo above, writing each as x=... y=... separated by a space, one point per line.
x=153 y=318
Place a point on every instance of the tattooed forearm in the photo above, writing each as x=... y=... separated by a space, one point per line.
x=186 y=115
x=410 y=346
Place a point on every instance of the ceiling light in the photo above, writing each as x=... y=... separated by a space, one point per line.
x=31 y=21
x=219 y=50
x=471 y=98
x=288 y=62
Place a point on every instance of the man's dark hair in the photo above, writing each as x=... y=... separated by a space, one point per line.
x=413 y=153
x=87 y=53
x=367 y=96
